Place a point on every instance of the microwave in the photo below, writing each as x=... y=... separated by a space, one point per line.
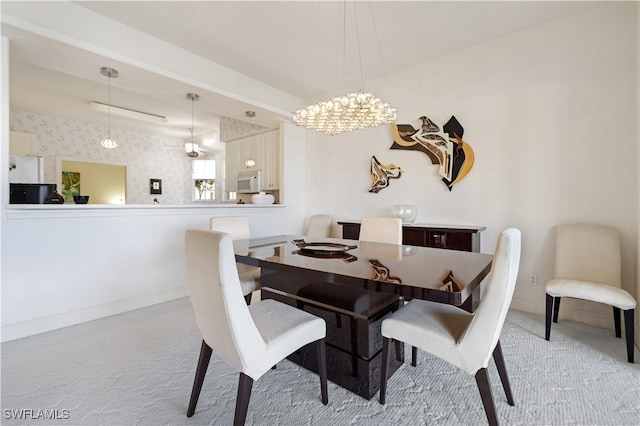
x=30 y=193
x=248 y=182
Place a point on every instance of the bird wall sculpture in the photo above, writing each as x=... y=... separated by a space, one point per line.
x=444 y=147
x=380 y=174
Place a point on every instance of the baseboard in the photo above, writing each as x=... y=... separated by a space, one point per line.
x=566 y=313
x=54 y=322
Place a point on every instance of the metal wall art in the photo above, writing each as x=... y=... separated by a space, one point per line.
x=380 y=174
x=444 y=147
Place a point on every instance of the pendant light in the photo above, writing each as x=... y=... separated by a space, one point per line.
x=110 y=73
x=250 y=161
x=192 y=153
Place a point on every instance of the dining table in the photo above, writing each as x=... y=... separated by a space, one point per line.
x=353 y=285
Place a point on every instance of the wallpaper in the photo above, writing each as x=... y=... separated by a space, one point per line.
x=147 y=156
x=231 y=129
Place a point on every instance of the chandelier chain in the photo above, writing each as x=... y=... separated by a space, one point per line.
x=355 y=14
x=344 y=43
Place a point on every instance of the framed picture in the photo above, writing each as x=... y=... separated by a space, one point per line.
x=70 y=185
x=155 y=186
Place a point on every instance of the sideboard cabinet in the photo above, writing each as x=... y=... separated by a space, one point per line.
x=454 y=237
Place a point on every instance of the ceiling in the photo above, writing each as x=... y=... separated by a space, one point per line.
x=294 y=46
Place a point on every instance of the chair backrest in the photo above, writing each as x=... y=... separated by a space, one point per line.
x=216 y=296
x=588 y=252
x=236 y=226
x=481 y=336
x=381 y=230
x=319 y=226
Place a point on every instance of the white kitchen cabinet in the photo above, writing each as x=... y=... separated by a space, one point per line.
x=231 y=159
x=263 y=149
x=269 y=155
x=22 y=144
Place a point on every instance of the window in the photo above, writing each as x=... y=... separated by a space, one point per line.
x=203 y=175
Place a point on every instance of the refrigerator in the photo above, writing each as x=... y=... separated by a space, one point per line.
x=26 y=169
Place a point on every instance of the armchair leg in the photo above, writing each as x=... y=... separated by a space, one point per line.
x=383 y=372
x=201 y=371
x=414 y=356
x=482 y=380
x=245 y=384
x=502 y=371
x=549 y=312
x=247 y=299
x=616 y=321
x=322 y=370
x=628 y=331
x=556 y=309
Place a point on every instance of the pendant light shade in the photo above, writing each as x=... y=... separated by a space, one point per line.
x=192 y=153
x=110 y=73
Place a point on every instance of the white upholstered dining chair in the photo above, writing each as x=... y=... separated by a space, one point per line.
x=588 y=266
x=381 y=230
x=238 y=228
x=250 y=338
x=319 y=226
x=463 y=339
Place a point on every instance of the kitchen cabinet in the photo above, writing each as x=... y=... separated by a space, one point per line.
x=231 y=159
x=269 y=155
x=263 y=149
x=454 y=237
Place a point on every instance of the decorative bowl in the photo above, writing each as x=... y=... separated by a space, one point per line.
x=405 y=212
x=262 y=198
x=81 y=199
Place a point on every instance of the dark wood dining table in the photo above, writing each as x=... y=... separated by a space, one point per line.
x=353 y=285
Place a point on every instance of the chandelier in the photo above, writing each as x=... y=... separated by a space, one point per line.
x=345 y=113
x=353 y=111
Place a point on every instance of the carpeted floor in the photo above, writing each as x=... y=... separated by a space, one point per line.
x=138 y=368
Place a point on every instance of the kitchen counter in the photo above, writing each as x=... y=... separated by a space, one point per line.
x=24 y=211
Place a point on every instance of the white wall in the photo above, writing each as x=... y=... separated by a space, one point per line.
x=552 y=115
x=62 y=267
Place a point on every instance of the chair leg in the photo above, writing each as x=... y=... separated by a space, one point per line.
x=247 y=299
x=549 y=313
x=322 y=370
x=201 y=371
x=556 y=309
x=502 y=371
x=414 y=356
x=383 y=372
x=616 y=321
x=399 y=351
x=482 y=380
x=245 y=384
x=628 y=331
